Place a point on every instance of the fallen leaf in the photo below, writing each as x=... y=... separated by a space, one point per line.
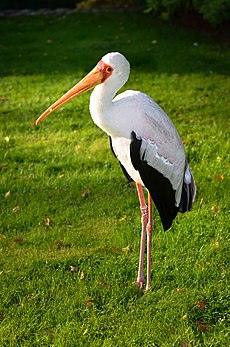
x=154 y=42
x=7 y=194
x=82 y=276
x=201 y=305
x=32 y=123
x=202 y=325
x=215 y=208
x=3 y=98
x=16 y=209
x=201 y=201
x=18 y=239
x=2 y=236
x=216 y=245
x=73 y=268
x=103 y=283
x=4 y=166
x=89 y=302
x=180 y=290
x=59 y=244
x=199 y=265
x=126 y=249
x=219 y=177
x=47 y=222
x=122 y=219
x=7 y=139
x=49 y=41
x=86 y=193
x=184 y=343
x=49 y=332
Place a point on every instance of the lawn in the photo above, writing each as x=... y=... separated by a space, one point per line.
x=70 y=223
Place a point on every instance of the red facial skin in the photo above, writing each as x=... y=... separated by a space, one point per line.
x=105 y=69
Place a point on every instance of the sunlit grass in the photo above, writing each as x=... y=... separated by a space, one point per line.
x=70 y=223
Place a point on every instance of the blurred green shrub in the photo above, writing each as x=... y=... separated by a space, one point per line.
x=87 y=4
x=213 y=11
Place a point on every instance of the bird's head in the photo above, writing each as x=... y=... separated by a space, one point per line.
x=113 y=68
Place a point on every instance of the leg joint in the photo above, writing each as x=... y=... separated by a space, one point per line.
x=144 y=211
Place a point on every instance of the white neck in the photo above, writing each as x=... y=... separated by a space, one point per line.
x=102 y=108
x=104 y=111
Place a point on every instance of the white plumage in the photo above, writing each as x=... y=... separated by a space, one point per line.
x=161 y=147
x=144 y=140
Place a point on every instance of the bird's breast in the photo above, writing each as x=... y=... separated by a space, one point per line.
x=121 y=148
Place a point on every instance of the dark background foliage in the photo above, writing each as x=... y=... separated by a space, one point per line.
x=214 y=12
x=36 y=4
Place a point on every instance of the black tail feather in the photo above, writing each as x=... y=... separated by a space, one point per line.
x=188 y=191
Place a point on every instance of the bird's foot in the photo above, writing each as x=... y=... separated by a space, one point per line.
x=147 y=288
x=139 y=283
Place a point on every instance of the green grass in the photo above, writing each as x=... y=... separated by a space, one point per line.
x=46 y=169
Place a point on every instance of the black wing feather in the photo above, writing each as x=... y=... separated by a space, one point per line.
x=159 y=187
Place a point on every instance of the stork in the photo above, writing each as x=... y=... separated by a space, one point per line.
x=144 y=140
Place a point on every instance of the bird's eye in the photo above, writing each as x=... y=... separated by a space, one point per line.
x=109 y=69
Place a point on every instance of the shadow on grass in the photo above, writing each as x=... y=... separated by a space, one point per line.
x=65 y=44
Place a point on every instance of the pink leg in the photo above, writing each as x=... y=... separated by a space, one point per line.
x=149 y=229
x=144 y=220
